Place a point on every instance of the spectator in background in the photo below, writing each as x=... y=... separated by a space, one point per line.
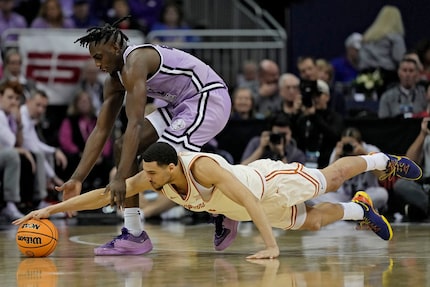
x=318 y=128
x=352 y=144
x=67 y=7
x=147 y=12
x=81 y=16
x=383 y=46
x=276 y=143
x=326 y=73
x=248 y=75
x=51 y=16
x=172 y=18
x=414 y=198
x=307 y=67
x=48 y=157
x=120 y=9
x=425 y=113
x=310 y=71
x=9 y=18
x=291 y=99
x=28 y=9
x=12 y=72
x=91 y=83
x=346 y=66
x=74 y=132
x=423 y=52
x=242 y=104
x=265 y=90
x=18 y=184
x=422 y=78
x=10 y=178
x=406 y=98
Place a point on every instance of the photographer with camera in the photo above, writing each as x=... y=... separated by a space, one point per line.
x=275 y=143
x=414 y=198
x=352 y=144
x=318 y=128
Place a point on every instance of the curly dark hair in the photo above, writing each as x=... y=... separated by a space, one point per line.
x=107 y=32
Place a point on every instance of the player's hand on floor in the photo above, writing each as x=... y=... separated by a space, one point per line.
x=268 y=253
x=36 y=214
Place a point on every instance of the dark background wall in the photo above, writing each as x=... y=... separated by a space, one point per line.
x=319 y=28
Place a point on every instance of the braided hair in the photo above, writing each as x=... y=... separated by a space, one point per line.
x=107 y=32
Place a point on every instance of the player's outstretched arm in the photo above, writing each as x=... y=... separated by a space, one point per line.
x=91 y=200
x=87 y=201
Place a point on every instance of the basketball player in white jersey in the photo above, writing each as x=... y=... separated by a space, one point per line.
x=270 y=193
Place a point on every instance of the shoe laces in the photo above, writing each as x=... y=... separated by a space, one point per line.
x=123 y=235
x=370 y=224
x=393 y=167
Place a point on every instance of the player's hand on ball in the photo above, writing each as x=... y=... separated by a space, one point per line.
x=269 y=253
x=36 y=214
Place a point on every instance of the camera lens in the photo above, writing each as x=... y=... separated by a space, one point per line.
x=276 y=138
x=347 y=149
x=309 y=90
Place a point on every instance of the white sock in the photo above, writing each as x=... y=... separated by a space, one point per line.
x=376 y=161
x=132 y=220
x=352 y=211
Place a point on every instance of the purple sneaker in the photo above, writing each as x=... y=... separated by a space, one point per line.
x=402 y=167
x=225 y=232
x=126 y=244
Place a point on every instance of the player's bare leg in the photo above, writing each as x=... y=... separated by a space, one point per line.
x=350 y=166
x=133 y=239
x=361 y=207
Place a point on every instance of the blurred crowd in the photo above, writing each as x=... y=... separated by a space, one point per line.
x=301 y=117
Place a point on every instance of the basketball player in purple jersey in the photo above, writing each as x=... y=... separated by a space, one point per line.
x=198 y=107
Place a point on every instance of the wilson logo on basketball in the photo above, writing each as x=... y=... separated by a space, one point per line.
x=31 y=226
x=29 y=240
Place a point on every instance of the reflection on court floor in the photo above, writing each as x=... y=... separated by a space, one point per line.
x=184 y=255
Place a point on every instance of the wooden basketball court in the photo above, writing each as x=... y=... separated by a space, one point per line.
x=183 y=255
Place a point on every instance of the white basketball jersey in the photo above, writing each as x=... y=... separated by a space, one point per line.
x=281 y=188
x=213 y=200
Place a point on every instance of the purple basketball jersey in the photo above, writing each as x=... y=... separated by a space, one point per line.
x=198 y=102
x=180 y=76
